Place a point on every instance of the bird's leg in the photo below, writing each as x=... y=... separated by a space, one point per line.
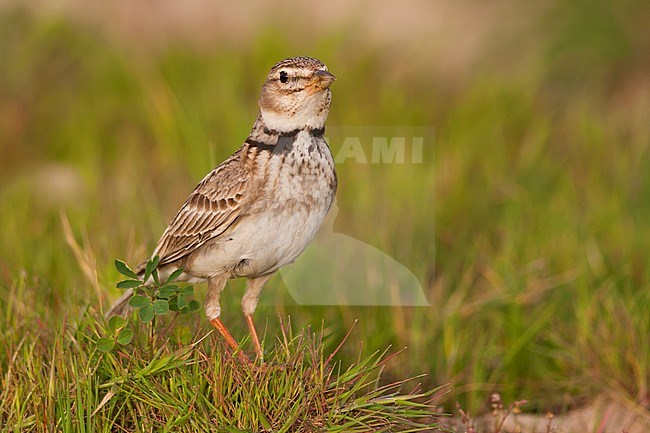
x=213 y=311
x=256 y=340
x=249 y=304
x=218 y=324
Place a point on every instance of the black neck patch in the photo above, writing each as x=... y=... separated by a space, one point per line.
x=284 y=141
x=316 y=132
x=260 y=145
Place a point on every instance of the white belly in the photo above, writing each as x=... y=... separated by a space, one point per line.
x=275 y=240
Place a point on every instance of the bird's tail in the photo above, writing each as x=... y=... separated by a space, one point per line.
x=121 y=306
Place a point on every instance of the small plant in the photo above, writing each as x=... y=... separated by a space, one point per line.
x=151 y=297
x=119 y=333
x=160 y=298
x=499 y=414
x=466 y=420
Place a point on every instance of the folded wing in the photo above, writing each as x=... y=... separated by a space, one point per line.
x=214 y=205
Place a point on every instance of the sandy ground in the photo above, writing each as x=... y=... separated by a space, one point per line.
x=604 y=415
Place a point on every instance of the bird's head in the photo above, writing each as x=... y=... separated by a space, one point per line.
x=296 y=95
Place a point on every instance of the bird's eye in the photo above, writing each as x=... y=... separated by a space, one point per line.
x=284 y=77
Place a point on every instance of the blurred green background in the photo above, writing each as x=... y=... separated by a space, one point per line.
x=527 y=223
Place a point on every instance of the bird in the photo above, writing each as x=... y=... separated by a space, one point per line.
x=258 y=210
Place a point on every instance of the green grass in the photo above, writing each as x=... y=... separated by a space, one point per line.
x=58 y=380
x=526 y=223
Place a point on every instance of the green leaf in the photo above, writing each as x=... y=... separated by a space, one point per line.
x=187 y=291
x=124 y=269
x=194 y=305
x=181 y=302
x=150 y=267
x=115 y=322
x=125 y=336
x=177 y=273
x=166 y=292
x=146 y=313
x=105 y=344
x=138 y=301
x=128 y=284
x=160 y=307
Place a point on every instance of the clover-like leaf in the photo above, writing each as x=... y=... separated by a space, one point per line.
x=174 y=275
x=138 y=301
x=150 y=267
x=125 y=336
x=160 y=307
x=166 y=292
x=115 y=323
x=128 y=284
x=105 y=344
x=146 y=313
x=193 y=305
x=187 y=291
x=124 y=269
x=181 y=302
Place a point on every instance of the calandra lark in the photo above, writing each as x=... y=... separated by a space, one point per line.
x=259 y=209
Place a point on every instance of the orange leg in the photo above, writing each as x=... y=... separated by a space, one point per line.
x=249 y=304
x=217 y=323
x=256 y=340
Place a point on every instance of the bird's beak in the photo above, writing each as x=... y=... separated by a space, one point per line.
x=323 y=79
